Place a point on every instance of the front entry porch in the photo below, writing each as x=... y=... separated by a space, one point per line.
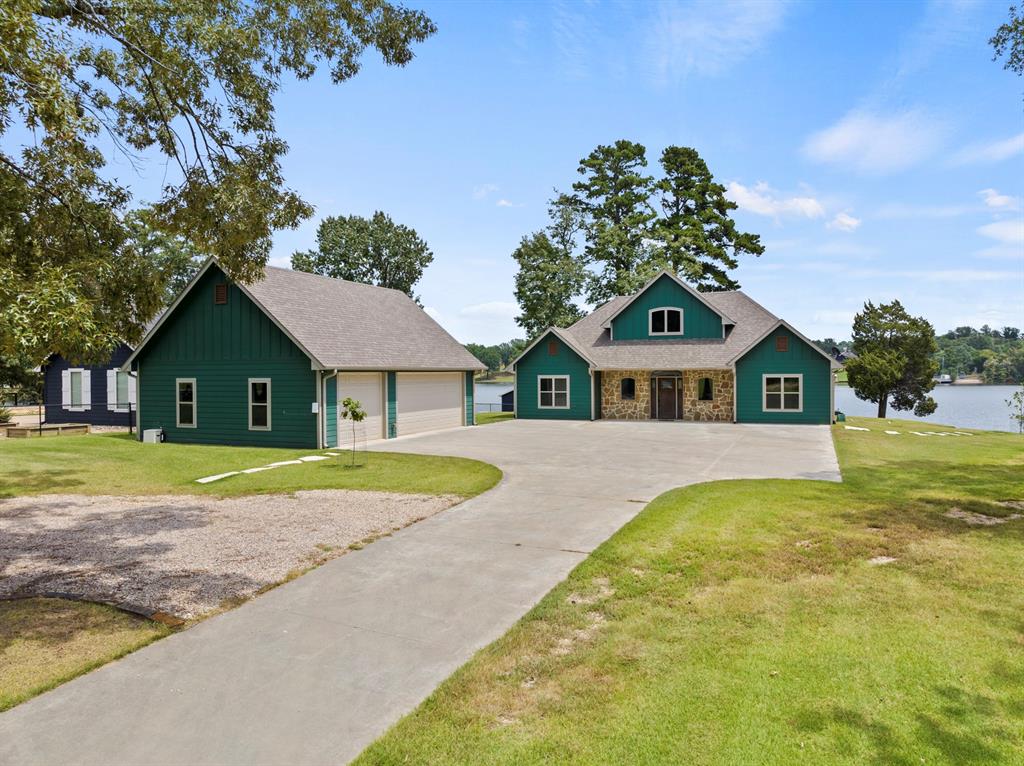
x=695 y=395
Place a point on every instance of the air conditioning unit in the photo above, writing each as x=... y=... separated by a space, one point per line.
x=152 y=436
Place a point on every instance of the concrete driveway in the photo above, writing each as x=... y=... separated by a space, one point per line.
x=313 y=671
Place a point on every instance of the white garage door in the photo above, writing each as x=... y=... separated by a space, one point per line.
x=428 y=401
x=366 y=388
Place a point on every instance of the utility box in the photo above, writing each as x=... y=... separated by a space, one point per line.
x=152 y=436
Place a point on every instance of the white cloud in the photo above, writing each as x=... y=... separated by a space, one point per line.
x=708 y=38
x=761 y=199
x=502 y=309
x=1008 y=232
x=998 y=201
x=844 y=222
x=990 y=151
x=876 y=143
x=507 y=203
x=484 y=190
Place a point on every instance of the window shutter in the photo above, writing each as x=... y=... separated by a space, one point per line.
x=65 y=389
x=131 y=390
x=111 y=390
x=86 y=389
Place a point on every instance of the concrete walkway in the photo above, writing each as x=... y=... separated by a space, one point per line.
x=313 y=671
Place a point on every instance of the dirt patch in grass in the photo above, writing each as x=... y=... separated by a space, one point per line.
x=981 y=519
x=187 y=556
x=44 y=642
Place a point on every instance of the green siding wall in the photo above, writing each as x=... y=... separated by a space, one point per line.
x=762 y=360
x=331 y=412
x=540 y=362
x=222 y=346
x=392 y=414
x=698 y=320
x=470 y=414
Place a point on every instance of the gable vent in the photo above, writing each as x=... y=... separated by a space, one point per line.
x=782 y=343
x=220 y=294
x=552 y=348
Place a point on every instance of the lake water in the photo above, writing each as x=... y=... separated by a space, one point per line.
x=982 y=407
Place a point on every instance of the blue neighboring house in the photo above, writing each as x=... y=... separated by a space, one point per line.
x=101 y=395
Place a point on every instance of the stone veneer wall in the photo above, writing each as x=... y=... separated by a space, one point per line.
x=612 y=405
x=719 y=408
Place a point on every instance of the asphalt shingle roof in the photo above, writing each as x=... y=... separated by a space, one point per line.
x=592 y=339
x=349 y=325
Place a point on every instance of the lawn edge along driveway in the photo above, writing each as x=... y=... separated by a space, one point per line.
x=316 y=669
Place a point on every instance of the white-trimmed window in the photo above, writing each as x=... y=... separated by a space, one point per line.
x=120 y=391
x=76 y=389
x=783 y=393
x=186 y=400
x=259 y=404
x=665 y=321
x=553 y=392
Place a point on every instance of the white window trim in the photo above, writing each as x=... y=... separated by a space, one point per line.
x=267 y=427
x=84 y=405
x=128 y=406
x=650 y=321
x=764 y=391
x=178 y=403
x=554 y=406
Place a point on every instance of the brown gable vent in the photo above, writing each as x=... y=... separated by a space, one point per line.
x=220 y=294
x=782 y=343
x=552 y=348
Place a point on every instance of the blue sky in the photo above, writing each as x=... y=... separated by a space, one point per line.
x=876 y=147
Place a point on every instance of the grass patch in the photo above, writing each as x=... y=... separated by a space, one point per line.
x=743 y=622
x=45 y=642
x=117 y=464
x=484 y=418
x=497 y=377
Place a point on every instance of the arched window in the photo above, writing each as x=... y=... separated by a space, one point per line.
x=627 y=389
x=705 y=390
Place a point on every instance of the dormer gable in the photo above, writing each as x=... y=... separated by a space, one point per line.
x=666 y=308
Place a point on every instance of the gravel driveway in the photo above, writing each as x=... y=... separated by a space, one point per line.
x=186 y=555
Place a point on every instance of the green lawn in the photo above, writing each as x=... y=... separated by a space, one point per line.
x=483 y=418
x=45 y=642
x=116 y=464
x=742 y=623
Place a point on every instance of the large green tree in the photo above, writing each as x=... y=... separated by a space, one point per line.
x=186 y=86
x=175 y=261
x=696 y=237
x=550 y=273
x=895 y=359
x=614 y=201
x=373 y=250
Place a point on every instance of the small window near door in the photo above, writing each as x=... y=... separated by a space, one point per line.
x=705 y=390
x=186 y=402
x=783 y=393
x=666 y=321
x=627 y=389
x=259 y=404
x=553 y=392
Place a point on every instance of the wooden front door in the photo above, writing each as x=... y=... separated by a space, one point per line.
x=667 y=399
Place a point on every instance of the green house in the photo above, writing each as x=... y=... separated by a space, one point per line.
x=669 y=352
x=268 y=364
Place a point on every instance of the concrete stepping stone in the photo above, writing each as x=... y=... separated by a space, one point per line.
x=284 y=462
x=856 y=428
x=312 y=458
x=217 y=477
x=261 y=468
x=893 y=433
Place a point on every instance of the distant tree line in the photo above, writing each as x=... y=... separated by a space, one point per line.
x=997 y=355
x=498 y=356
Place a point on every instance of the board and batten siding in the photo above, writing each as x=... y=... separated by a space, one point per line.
x=801 y=359
x=539 y=361
x=221 y=347
x=470 y=397
x=331 y=411
x=699 y=321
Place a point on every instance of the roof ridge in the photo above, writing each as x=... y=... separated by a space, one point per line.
x=335 y=279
